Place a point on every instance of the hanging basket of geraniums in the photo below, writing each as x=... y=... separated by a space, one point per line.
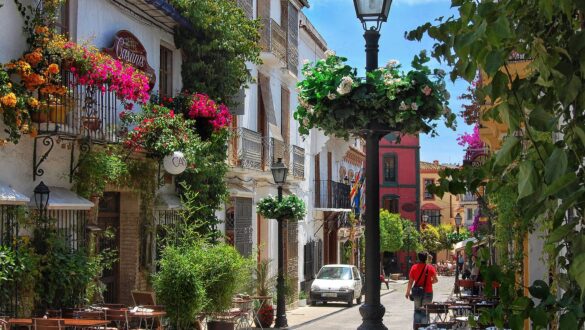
x=332 y=98
x=209 y=116
x=291 y=208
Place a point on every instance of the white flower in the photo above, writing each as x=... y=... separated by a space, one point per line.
x=308 y=73
x=306 y=61
x=329 y=53
x=427 y=90
x=310 y=109
x=414 y=106
x=331 y=96
x=392 y=64
x=345 y=85
x=305 y=121
x=403 y=106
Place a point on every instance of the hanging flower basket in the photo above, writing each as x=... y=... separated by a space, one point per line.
x=291 y=208
x=332 y=98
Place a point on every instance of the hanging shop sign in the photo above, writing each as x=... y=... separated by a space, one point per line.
x=127 y=48
x=175 y=163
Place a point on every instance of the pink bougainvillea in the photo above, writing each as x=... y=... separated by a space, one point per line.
x=471 y=141
x=95 y=69
x=202 y=106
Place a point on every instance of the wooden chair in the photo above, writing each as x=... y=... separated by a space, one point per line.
x=48 y=324
x=466 y=285
x=141 y=298
x=441 y=311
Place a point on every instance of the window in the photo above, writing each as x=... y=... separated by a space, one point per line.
x=428 y=194
x=165 y=83
x=390 y=168
x=434 y=217
x=469 y=216
x=390 y=203
x=62 y=22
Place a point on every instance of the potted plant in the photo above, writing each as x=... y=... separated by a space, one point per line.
x=263 y=283
x=302 y=298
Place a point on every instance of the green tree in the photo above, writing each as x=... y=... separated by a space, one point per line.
x=410 y=237
x=222 y=40
x=546 y=102
x=429 y=239
x=445 y=237
x=390 y=231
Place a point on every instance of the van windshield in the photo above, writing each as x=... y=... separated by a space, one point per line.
x=335 y=273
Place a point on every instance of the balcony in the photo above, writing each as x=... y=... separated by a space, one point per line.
x=84 y=113
x=249 y=150
x=273 y=41
x=331 y=195
x=467 y=198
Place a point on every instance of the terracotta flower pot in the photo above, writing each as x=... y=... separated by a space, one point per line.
x=54 y=113
x=92 y=123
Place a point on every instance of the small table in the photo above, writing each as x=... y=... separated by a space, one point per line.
x=81 y=323
x=146 y=316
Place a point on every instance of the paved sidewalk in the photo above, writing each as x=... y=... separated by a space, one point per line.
x=300 y=317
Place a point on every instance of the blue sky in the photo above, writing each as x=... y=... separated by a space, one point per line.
x=337 y=23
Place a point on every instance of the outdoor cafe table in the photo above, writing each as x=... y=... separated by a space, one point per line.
x=81 y=323
x=146 y=316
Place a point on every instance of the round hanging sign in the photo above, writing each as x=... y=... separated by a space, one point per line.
x=175 y=163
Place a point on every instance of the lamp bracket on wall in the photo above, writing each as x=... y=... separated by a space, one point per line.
x=84 y=149
x=48 y=142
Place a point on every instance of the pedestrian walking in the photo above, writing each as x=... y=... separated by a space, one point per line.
x=460 y=261
x=421 y=278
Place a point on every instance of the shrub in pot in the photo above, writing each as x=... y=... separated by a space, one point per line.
x=265 y=315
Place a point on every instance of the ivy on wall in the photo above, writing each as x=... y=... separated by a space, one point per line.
x=216 y=49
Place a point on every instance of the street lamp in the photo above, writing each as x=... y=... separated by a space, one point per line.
x=279 y=172
x=42 y=193
x=458 y=221
x=372 y=13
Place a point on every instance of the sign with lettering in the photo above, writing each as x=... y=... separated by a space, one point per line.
x=175 y=163
x=129 y=49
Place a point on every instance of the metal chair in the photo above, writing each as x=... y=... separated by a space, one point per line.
x=48 y=324
x=441 y=311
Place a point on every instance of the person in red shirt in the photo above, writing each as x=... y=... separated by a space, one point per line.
x=422 y=275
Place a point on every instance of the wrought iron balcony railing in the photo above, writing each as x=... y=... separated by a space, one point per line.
x=249 y=150
x=273 y=39
x=331 y=195
x=82 y=113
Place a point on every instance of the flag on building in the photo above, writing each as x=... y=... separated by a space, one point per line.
x=354 y=190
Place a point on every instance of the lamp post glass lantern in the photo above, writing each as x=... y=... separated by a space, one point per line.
x=42 y=193
x=372 y=13
x=279 y=172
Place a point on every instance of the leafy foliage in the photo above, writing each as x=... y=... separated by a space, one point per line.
x=291 y=207
x=391 y=231
x=410 y=237
x=218 y=47
x=546 y=97
x=96 y=169
x=429 y=238
x=335 y=100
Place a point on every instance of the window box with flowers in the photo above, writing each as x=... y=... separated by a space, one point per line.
x=333 y=99
x=291 y=208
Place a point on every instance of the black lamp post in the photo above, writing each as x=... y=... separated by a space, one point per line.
x=279 y=172
x=42 y=193
x=458 y=221
x=372 y=13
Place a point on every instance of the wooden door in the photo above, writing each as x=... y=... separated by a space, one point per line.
x=109 y=219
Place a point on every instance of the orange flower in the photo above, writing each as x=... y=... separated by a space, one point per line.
x=41 y=29
x=33 y=132
x=53 y=68
x=33 y=58
x=34 y=103
x=9 y=100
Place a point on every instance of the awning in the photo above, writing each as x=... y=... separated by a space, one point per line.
x=64 y=199
x=168 y=202
x=238 y=190
x=430 y=206
x=9 y=196
x=462 y=244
